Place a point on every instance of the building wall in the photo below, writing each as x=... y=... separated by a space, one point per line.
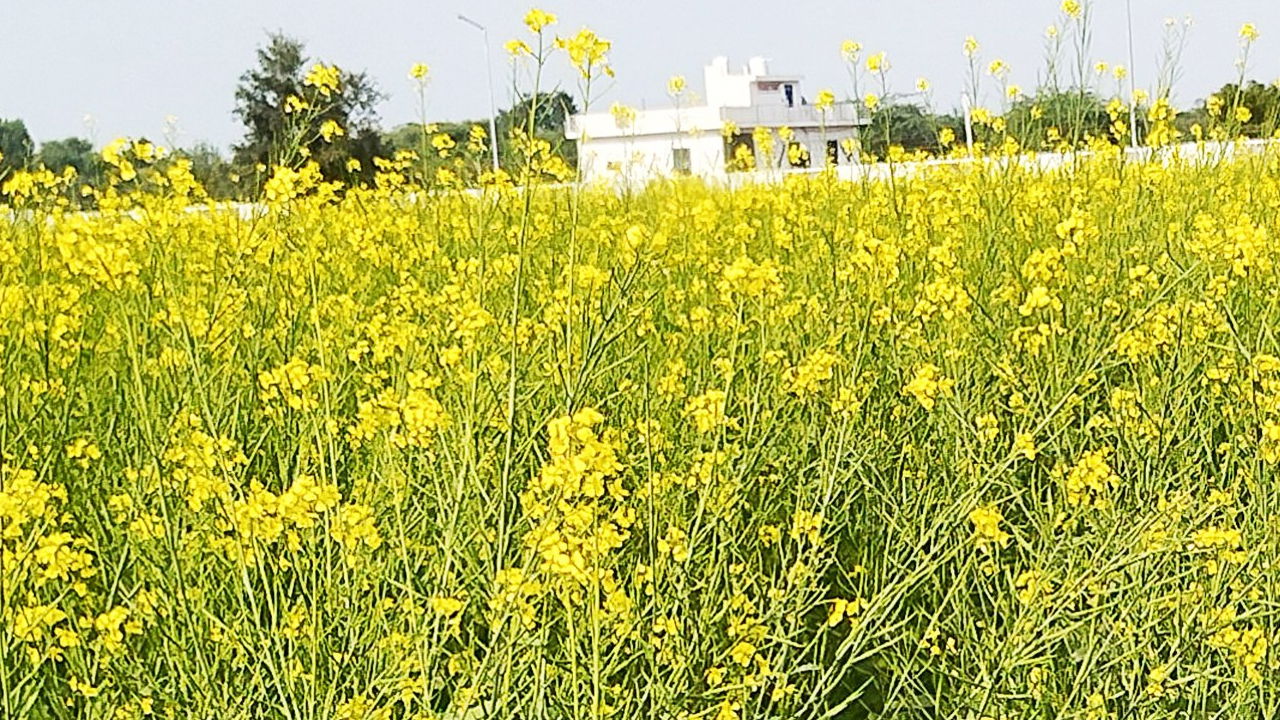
x=726 y=89
x=638 y=159
x=641 y=158
x=812 y=139
x=600 y=125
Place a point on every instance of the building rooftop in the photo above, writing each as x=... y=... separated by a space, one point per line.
x=753 y=97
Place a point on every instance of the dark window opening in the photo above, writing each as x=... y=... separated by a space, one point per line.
x=797 y=155
x=740 y=153
x=681 y=162
x=790 y=92
x=833 y=152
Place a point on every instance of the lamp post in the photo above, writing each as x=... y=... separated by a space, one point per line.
x=968 y=122
x=1133 y=100
x=493 y=112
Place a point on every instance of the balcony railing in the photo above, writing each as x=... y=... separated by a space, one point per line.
x=653 y=122
x=844 y=113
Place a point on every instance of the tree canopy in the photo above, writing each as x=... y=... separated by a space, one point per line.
x=281 y=110
x=550 y=118
x=15 y=145
x=73 y=152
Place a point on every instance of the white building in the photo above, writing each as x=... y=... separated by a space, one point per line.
x=690 y=140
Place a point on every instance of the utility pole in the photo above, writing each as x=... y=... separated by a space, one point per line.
x=493 y=111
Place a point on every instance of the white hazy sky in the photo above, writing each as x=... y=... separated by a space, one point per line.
x=128 y=64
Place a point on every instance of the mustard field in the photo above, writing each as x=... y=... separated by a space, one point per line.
x=982 y=442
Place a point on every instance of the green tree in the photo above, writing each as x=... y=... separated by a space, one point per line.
x=554 y=109
x=417 y=139
x=269 y=129
x=550 y=119
x=552 y=115
x=1261 y=100
x=73 y=152
x=907 y=125
x=15 y=145
x=410 y=136
x=215 y=172
x=1074 y=114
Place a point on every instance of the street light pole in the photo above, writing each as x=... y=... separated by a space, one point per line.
x=493 y=111
x=1133 y=100
x=968 y=122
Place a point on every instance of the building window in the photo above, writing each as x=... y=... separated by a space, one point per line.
x=681 y=163
x=833 y=152
x=740 y=153
x=789 y=91
x=797 y=155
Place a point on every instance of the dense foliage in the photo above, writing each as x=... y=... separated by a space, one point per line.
x=986 y=441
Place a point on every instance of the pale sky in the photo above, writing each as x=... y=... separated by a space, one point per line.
x=129 y=64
